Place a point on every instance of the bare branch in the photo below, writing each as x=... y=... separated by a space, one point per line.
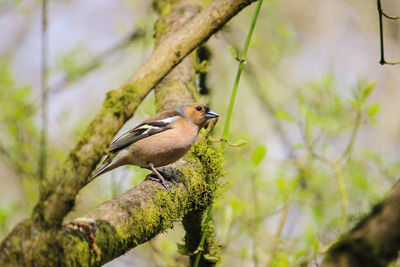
x=383 y=14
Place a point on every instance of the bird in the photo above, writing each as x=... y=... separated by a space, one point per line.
x=160 y=140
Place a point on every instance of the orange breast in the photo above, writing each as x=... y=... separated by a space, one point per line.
x=163 y=148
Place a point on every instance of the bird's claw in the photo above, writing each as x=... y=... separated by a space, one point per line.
x=156 y=179
x=166 y=185
x=170 y=178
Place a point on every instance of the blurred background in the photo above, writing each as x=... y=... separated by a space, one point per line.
x=317 y=112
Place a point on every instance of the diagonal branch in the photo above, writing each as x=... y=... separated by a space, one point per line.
x=374 y=241
x=118 y=225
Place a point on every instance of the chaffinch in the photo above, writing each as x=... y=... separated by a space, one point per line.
x=158 y=141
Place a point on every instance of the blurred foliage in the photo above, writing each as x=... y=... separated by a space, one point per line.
x=304 y=146
x=76 y=60
x=18 y=133
x=18 y=146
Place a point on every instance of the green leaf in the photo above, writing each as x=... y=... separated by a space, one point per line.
x=258 y=155
x=354 y=103
x=237 y=206
x=367 y=90
x=238 y=143
x=212 y=258
x=284 y=115
x=298 y=146
x=282 y=260
x=373 y=110
x=232 y=50
x=245 y=254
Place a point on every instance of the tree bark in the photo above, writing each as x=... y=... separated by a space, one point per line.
x=133 y=218
x=374 y=241
x=175 y=89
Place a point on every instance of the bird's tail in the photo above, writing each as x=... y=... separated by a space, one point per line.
x=104 y=167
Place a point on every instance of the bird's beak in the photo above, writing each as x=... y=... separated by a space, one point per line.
x=211 y=114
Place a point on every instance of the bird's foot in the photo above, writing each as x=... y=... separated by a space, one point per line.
x=154 y=177
x=160 y=177
x=170 y=178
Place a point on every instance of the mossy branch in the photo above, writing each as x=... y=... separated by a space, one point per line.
x=58 y=194
x=177 y=88
x=42 y=239
x=120 y=224
x=374 y=241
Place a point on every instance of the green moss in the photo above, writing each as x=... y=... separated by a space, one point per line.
x=200 y=184
x=200 y=180
x=117 y=101
x=160 y=27
x=81 y=254
x=163 y=7
x=212 y=161
x=212 y=246
x=166 y=9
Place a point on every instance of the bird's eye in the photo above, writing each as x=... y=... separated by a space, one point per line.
x=198 y=108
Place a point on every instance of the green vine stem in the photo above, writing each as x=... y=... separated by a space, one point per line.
x=242 y=61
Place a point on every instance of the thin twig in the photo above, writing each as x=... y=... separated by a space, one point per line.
x=334 y=165
x=278 y=233
x=383 y=14
x=43 y=88
x=350 y=145
x=255 y=228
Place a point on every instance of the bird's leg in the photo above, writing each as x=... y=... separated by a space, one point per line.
x=153 y=177
x=161 y=179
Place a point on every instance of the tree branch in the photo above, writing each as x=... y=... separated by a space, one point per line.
x=374 y=241
x=177 y=88
x=120 y=224
x=41 y=240
x=58 y=194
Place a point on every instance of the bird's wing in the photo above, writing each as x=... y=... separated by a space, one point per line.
x=146 y=129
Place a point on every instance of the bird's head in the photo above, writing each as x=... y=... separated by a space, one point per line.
x=198 y=113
